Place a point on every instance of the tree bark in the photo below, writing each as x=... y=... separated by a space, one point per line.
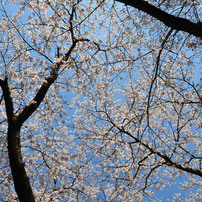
x=20 y=178
x=177 y=23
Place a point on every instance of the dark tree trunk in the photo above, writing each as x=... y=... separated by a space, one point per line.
x=20 y=178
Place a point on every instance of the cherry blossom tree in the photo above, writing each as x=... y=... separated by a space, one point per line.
x=100 y=100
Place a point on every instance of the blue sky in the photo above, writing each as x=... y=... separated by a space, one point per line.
x=167 y=193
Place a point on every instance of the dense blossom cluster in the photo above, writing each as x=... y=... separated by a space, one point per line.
x=121 y=119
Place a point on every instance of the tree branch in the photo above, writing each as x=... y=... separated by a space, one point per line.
x=156 y=70
x=31 y=108
x=167 y=159
x=177 y=23
x=7 y=98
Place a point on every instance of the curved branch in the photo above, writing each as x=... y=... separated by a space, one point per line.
x=156 y=70
x=177 y=23
x=168 y=160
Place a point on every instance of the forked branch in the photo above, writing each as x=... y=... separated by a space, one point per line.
x=21 y=180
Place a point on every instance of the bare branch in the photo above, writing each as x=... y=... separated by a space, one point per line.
x=167 y=159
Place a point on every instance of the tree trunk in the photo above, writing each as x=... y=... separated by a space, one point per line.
x=20 y=178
